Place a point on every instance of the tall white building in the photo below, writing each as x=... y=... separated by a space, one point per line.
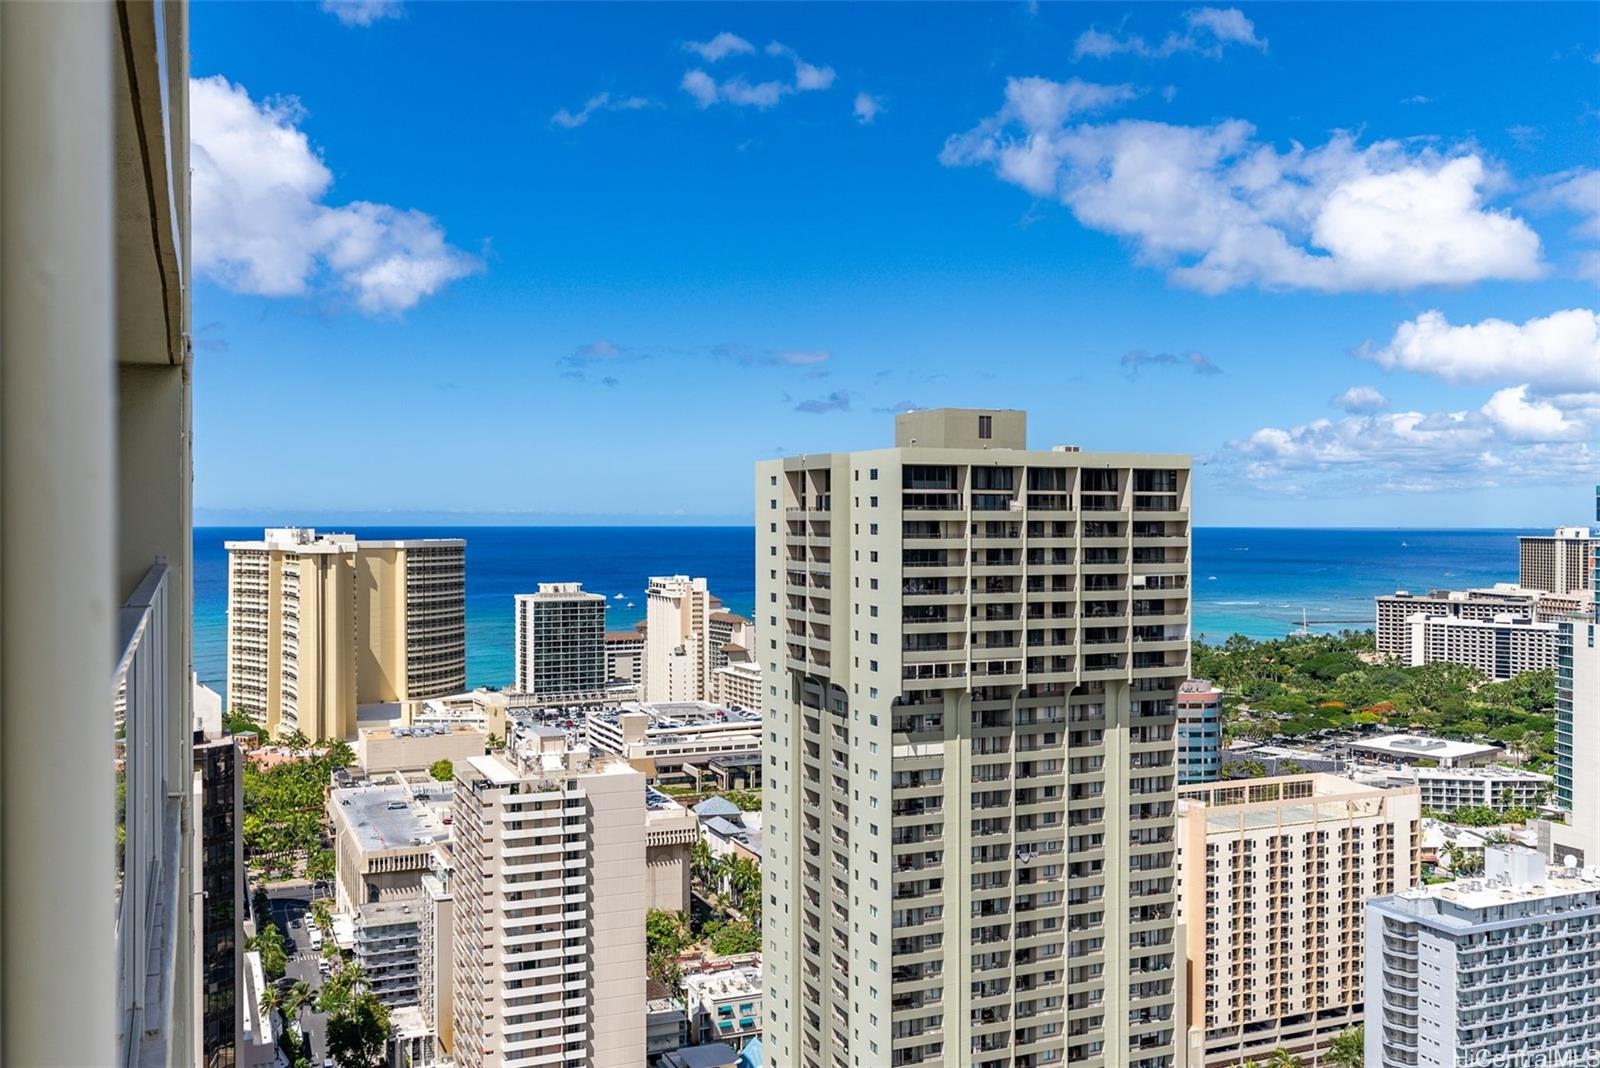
x=677 y=639
x=1499 y=970
x=1557 y=562
x=976 y=650
x=561 y=640
x=548 y=905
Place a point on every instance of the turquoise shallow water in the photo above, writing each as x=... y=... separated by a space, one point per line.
x=1252 y=581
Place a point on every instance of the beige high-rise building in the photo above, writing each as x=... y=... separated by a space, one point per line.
x=1273 y=875
x=677 y=639
x=1557 y=562
x=320 y=624
x=549 y=908
x=969 y=779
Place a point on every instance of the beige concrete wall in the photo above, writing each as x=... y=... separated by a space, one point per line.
x=381 y=751
x=380 y=584
x=617 y=904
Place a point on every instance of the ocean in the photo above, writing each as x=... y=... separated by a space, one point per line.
x=1251 y=581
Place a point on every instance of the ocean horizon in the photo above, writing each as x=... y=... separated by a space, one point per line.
x=1255 y=581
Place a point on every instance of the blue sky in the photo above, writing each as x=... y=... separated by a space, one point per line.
x=538 y=263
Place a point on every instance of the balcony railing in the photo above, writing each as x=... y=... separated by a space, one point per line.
x=149 y=824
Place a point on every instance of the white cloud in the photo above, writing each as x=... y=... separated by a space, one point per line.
x=598 y=102
x=701 y=86
x=1560 y=351
x=806 y=76
x=261 y=225
x=1512 y=438
x=720 y=47
x=1576 y=191
x=1360 y=400
x=867 y=108
x=739 y=90
x=1219 y=208
x=363 y=12
x=1207 y=31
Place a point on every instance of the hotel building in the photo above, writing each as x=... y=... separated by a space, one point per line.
x=1199 y=732
x=561 y=647
x=549 y=907
x=1499 y=648
x=1558 y=562
x=976 y=650
x=319 y=625
x=658 y=739
x=677 y=639
x=1273 y=874
x=1499 y=970
x=625 y=655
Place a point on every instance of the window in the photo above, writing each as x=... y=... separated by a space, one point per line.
x=874 y=501
x=872 y=528
x=985 y=426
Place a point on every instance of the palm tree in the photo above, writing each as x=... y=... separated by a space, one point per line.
x=1282 y=1058
x=297 y=1000
x=700 y=860
x=1348 y=1049
x=271 y=999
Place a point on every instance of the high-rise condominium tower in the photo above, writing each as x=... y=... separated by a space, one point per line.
x=320 y=624
x=549 y=908
x=971 y=654
x=561 y=640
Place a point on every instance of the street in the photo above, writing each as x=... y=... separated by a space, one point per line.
x=289 y=905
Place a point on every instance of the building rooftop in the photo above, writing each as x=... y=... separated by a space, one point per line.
x=1513 y=874
x=716 y=982
x=561 y=591
x=716 y=806
x=1492 y=771
x=710 y=1055
x=675 y=715
x=624 y=635
x=1423 y=747
x=392 y=816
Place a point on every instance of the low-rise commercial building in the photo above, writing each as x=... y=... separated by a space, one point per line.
x=666 y=1025
x=382 y=750
x=724 y=1000
x=1199 y=732
x=658 y=739
x=1272 y=875
x=1499 y=970
x=1414 y=748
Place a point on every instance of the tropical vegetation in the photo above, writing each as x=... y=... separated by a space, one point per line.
x=1300 y=685
x=284 y=809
